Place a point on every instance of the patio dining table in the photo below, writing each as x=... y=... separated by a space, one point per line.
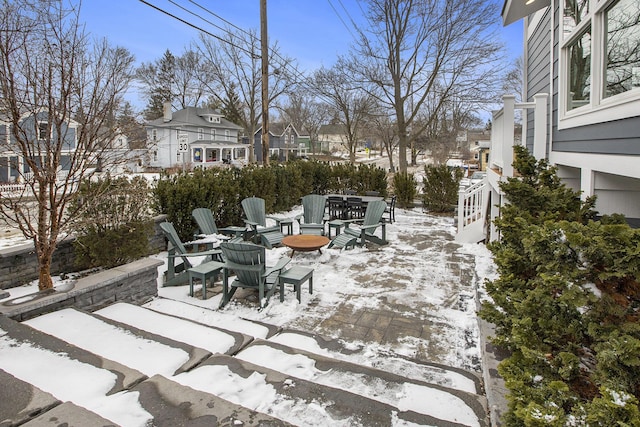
x=365 y=199
x=344 y=212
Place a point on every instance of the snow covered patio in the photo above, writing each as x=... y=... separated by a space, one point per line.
x=407 y=308
x=415 y=296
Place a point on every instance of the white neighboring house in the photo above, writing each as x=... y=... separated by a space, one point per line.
x=194 y=137
x=581 y=109
x=117 y=158
x=332 y=138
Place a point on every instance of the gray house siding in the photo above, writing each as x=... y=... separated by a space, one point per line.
x=615 y=137
x=538 y=61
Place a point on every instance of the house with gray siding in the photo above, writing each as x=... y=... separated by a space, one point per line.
x=284 y=142
x=36 y=127
x=581 y=105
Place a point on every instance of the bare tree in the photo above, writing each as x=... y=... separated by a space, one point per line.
x=59 y=92
x=386 y=131
x=513 y=81
x=306 y=114
x=351 y=106
x=414 y=49
x=235 y=66
x=177 y=79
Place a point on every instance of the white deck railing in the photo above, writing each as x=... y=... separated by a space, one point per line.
x=473 y=202
x=472 y=212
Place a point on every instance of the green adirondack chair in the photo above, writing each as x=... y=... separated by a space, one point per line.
x=256 y=220
x=176 y=274
x=247 y=261
x=207 y=225
x=313 y=218
x=364 y=228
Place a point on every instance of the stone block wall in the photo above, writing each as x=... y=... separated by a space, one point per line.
x=19 y=264
x=135 y=283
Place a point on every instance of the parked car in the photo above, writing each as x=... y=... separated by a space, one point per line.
x=477 y=177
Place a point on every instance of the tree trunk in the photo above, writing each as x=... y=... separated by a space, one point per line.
x=44 y=277
x=402 y=151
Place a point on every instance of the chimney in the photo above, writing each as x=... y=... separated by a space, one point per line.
x=166 y=110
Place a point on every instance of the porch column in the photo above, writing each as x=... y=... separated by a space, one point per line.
x=508 y=134
x=540 y=126
x=586 y=183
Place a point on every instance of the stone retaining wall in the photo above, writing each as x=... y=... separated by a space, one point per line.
x=19 y=264
x=136 y=283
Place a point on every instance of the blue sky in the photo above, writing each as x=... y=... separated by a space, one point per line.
x=314 y=32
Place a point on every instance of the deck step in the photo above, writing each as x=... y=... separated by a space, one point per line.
x=399 y=391
x=175 y=364
x=432 y=373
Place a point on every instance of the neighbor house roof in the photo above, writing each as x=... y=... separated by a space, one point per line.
x=194 y=116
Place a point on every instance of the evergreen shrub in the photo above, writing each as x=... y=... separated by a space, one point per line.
x=281 y=185
x=112 y=221
x=440 y=188
x=566 y=304
x=405 y=189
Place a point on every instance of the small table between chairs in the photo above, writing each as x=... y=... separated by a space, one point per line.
x=305 y=243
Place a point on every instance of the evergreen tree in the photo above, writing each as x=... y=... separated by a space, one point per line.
x=565 y=304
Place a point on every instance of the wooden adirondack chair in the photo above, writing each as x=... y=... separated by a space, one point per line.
x=247 y=261
x=312 y=220
x=207 y=225
x=365 y=229
x=176 y=274
x=256 y=220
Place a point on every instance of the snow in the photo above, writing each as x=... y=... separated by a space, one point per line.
x=418 y=275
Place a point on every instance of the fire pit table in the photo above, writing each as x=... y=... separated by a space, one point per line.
x=305 y=243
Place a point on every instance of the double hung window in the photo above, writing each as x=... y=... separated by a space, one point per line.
x=599 y=61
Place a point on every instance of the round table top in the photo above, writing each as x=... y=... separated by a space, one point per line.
x=305 y=242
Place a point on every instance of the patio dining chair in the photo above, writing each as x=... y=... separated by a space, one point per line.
x=337 y=208
x=391 y=209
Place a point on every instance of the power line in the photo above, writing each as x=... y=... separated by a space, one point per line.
x=340 y=18
x=302 y=79
x=196 y=27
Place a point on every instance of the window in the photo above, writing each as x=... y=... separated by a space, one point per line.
x=43 y=131
x=154 y=134
x=599 y=61
x=622 y=41
x=200 y=133
x=226 y=135
x=213 y=134
x=579 y=71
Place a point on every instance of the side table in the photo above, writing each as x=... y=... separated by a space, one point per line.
x=296 y=276
x=288 y=223
x=202 y=272
x=336 y=225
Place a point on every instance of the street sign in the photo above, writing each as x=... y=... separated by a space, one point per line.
x=183 y=143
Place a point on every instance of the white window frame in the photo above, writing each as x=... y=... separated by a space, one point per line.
x=226 y=135
x=47 y=131
x=200 y=133
x=599 y=109
x=213 y=134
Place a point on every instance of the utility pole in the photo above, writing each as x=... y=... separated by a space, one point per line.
x=264 y=44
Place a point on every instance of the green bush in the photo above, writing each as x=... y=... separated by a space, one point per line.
x=440 y=189
x=405 y=189
x=281 y=185
x=565 y=305
x=112 y=222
